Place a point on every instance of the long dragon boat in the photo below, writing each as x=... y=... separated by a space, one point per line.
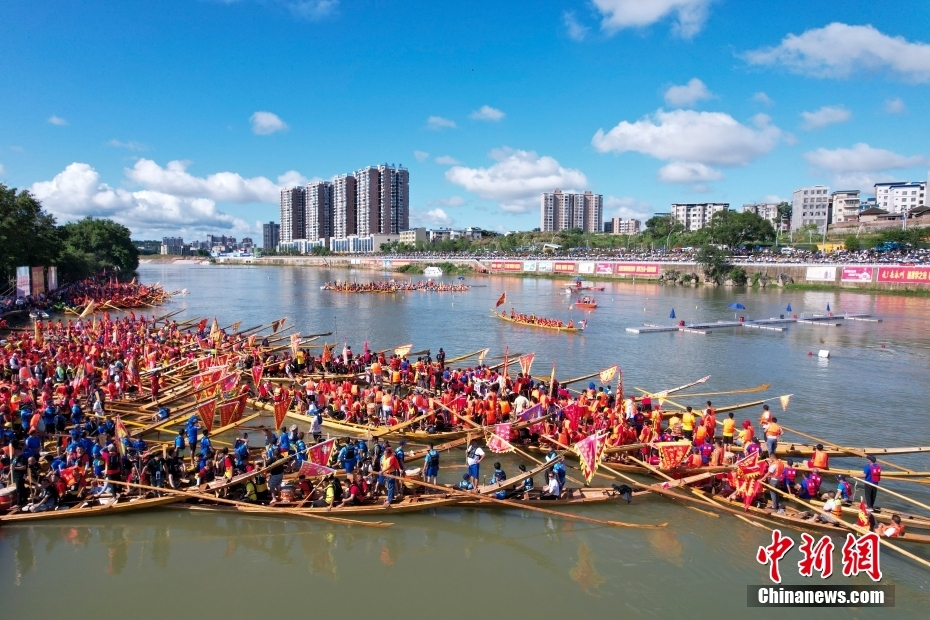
x=557 y=328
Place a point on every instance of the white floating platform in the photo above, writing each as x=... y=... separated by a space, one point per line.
x=770 y=324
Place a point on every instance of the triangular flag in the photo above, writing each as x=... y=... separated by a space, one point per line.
x=240 y=408
x=501 y=300
x=207 y=411
x=280 y=410
x=274 y=326
x=312 y=470
x=499 y=440
x=526 y=363
x=202 y=325
x=227 y=411
x=862 y=519
x=87 y=310
x=295 y=343
x=235 y=326
x=321 y=452
x=403 y=350
x=257 y=372
x=607 y=375
x=784 y=401
x=121 y=435
x=251 y=342
x=671 y=454
x=587 y=454
x=482 y=355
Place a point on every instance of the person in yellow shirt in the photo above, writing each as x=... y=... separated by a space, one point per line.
x=729 y=427
x=687 y=424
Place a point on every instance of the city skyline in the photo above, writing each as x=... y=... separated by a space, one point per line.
x=687 y=104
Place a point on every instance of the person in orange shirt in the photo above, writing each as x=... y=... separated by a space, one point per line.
x=820 y=459
x=772 y=433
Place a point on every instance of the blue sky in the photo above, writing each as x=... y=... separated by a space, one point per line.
x=185 y=116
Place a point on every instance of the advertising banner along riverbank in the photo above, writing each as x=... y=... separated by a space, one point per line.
x=857 y=274
x=904 y=275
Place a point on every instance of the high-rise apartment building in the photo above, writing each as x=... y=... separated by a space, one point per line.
x=344 y=222
x=901 y=197
x=271 y=234
x=395 y=199
x=319 y=211
x=293 y=213
x=811 y=205
x=560 y=211
x=697 y=215
x=368 y=214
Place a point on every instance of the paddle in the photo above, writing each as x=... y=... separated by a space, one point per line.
x=512 y=504
x=254 y=507
x=890 y=492
x=848 y=526
x=759 y=388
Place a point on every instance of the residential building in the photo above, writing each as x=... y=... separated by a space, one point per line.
x=413 y=236
x=395 y=199
x=811 y=205
x=901 y=197
x=695 y=216
x=619 y=226
x=293 y=213
x=319 y=211
x=358 y=244
x=767 y=211
x=560 y=211
x=172 y=245
x=845 y=205
x=344 y=223
x=271 y=235
x=473 y=232
x=247 y=245
x=368 y=216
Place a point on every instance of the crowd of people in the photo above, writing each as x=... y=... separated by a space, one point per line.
x=392 y=286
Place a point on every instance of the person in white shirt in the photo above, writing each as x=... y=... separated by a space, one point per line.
x=473 y=457
x=552 y=490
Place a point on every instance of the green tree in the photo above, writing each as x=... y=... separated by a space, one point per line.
x=851 y=243
x=715 y=262
x=91 y=245
x=734 y=229
x=28 y=235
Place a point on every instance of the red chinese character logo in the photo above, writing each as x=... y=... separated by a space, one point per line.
x=773 y=553
x=816 y=556
x=861 y=556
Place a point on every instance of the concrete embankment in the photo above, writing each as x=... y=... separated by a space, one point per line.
x=858 y=276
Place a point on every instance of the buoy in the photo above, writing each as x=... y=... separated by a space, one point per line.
x=823 y=353
x=883 y=346
x=810 y=354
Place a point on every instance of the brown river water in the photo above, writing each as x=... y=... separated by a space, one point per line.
x=469 y=563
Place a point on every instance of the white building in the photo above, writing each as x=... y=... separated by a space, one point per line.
x=560 y=211
x=811 y=205
x=845 y=205
x=319 y=211
x=358 y=244
x=901 y=197
x=620 y=226
x=695 y=216
x=767 y=211
x=293 y=213
x=412 y=236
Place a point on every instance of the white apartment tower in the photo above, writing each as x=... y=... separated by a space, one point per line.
x=811 y=205
x=697 y=215
x=293 y=206
x=344 y=206
x=900 y=197
x=560 y=211
x=319 y=211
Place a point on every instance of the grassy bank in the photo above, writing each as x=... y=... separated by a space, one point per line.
x=871 y=290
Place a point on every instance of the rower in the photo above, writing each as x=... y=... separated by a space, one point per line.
x=776 y=471
x=496 y=477
x=842 y=485
x=873 y=474
x=819 y=459
x=553 y=490
x=895 y=530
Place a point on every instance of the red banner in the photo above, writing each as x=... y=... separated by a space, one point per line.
x=499 y=441
x=671 y=454
x=904 y=275
x=280 y=410
x=257 y=371
x=497 y=265
x=321 y=452
x=587 y=450
x=227 y=411
x=857 y=274
x=513 y=266
x=604 y=269
x=573 y=414
x=637 y=269
x=207 y=411
x=312 y=470
x=240 y=408
x=564 y=268
x=526 y=363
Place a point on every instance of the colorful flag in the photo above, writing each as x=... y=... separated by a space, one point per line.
x=862 y=519
x=672 y=453
x=257 y=371
x=328 y=352
x=215 y=331
x=230 y=382
x=501 y=300
x=280 y=410
x=573 y=414
x=202 y=325
x=312 y=470
x=607 y=375
x=38 y=333
x=121 y=436
x=251 y=342
x=321 y=452
x=526 y=363
x=240 y=408
x=276 y=324
x=235 y=326
x=403 y=350
x=88 y=309
x=552 y=380
x=499 y=439
x=620 y=386
x=588 y=455
x=207 y=411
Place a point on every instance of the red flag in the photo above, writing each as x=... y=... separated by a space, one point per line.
x=240 y=408
x=201 y=325
x=227 y=411
x=312 y=470
x=620 y=386
x=207 y=411
x=320 y=453
x=257 y=371
x=501 y=300
x=588 y=455
x=671 y=454
x=862 y=519
x=573 y=413
x=606 y=376
x=280 y=410
x=526 y=363
x=499 y=441
x=230 y=381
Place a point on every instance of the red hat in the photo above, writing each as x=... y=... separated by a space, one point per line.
x=746 y=423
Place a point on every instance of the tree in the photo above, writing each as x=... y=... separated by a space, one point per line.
x=661 y=225
x=851 y=243
x=28 y=235
x=733 y=229
x=90 y=245
x=715 y=262
x=785 y=210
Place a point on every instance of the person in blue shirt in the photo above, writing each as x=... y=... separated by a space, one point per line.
x=48 y=418
x=431 y=465
x=192 y=430
x=362 y=446
x=284 y=442
x=205 y=445
x=465 y=484
x=163 y=414
x=842 y=485
x=873 y=474
x=33 y=445
x=77 y=416
x=348 y=456
x=300 y=449
x=179 y=443
x=499 y=476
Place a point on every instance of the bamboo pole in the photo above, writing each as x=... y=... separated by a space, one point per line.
x=253 y=507
x=890 y=492
x=852 y=451
x=759 y=388
x=512 y=504
x=849 y=526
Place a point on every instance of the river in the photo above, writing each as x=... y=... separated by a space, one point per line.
x=466 y=563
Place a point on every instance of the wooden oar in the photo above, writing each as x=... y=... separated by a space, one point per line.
x=679 y=388
x=253 y=507
x=849 y=526
x=852 y=451
x=759 y=388
x=459 y=358
x=581 y=378
x=890 y=492
x=512 y=504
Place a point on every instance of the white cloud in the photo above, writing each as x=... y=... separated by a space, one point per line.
x=773 y=198
x=292 y=178
x=451 y=202
x=627 y=208
x=313 y=10
x=687 y=94
x=266 y=123
x=77 y=192
x=688 y=172
x=57 y=120
x=827 y=115
x=839 y=50
x=437 y=123
x=432 y=217
x=689 y=15
x=895 y=106
x=224 y=186
x=487 y=113
x=860 y=158
x=517 y=179
x=761 y=97
x=447 y=160
x=421 y=156
x=573 y=27
x=129 y=146
x=686 y=135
